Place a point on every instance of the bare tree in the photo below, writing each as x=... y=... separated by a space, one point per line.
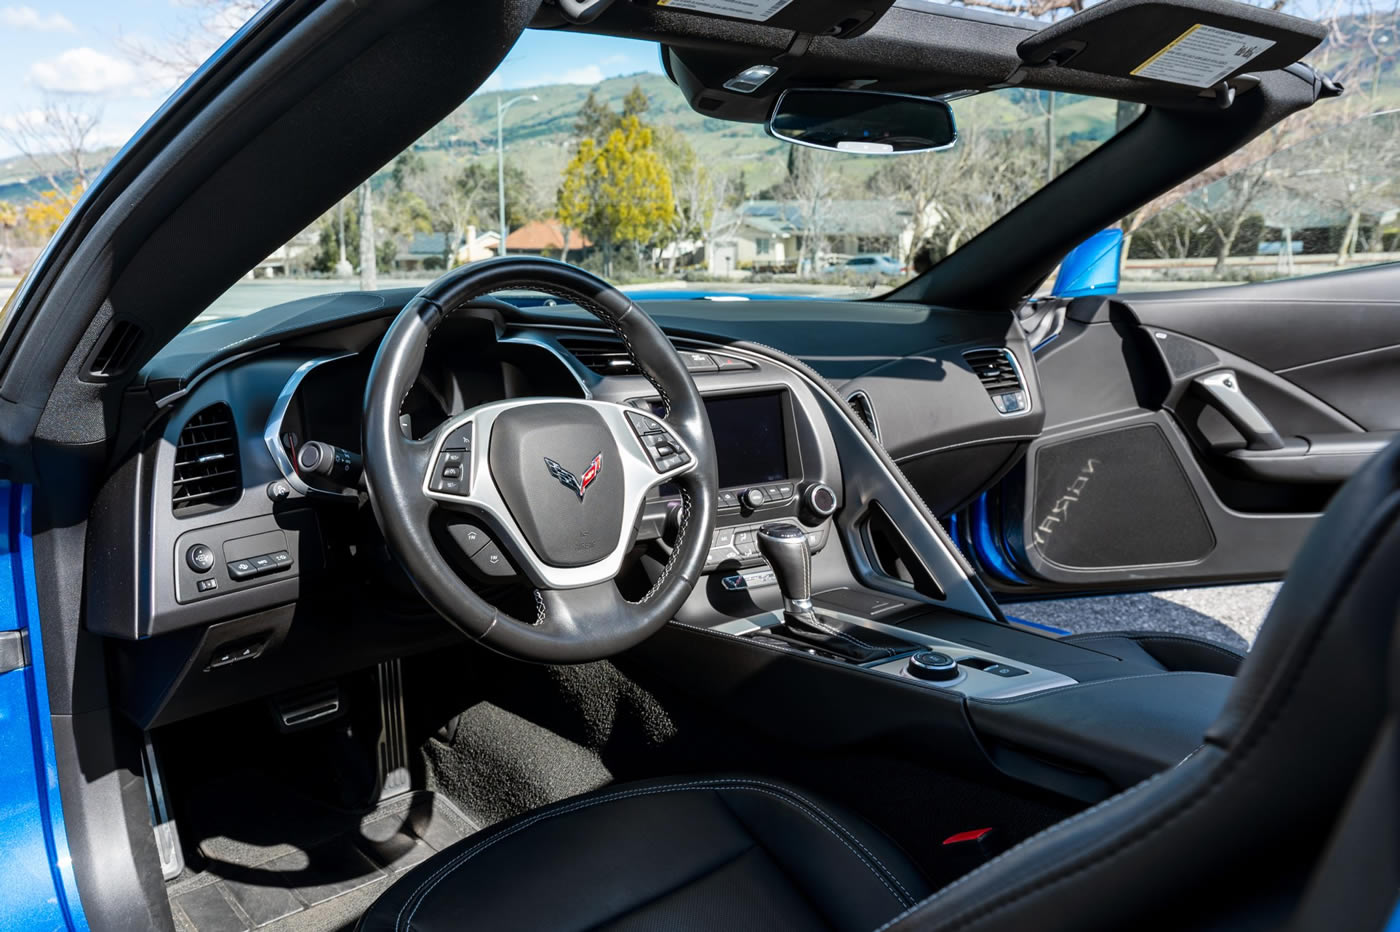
x=56 y=140
x=204 y=28
x=812 y=183
x=369 y=273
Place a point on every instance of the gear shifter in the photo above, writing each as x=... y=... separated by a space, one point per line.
x=784 y=546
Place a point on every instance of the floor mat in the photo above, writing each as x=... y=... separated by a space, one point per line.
x=316 y=872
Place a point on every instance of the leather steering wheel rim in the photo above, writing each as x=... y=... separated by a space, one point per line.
x=572 y=625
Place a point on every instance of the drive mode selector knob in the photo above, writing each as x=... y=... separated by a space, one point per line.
x=819 y=499
x=933 y=666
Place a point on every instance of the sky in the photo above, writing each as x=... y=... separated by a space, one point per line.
x=82 y=53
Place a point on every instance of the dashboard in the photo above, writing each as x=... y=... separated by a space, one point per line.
x=242 y=551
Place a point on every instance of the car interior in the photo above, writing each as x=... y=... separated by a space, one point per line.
x=443 y=608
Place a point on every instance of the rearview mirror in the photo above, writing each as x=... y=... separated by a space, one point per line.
x=871 y=122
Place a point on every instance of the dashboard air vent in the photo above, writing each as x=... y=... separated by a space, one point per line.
x=206 y=462
x=604 y=357
x=996 y=368
x=865 y=410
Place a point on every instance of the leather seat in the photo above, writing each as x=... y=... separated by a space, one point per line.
x=1224 y=840
x=698 y=853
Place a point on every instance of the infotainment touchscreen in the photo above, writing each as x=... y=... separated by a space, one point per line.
x=750 y=441
x=750 y=438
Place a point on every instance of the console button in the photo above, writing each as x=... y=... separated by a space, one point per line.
x=773 y=494
x=1001 y=669
x=206 y=585
x=698 y=362
x=200 y=558
x=242 y=569
x=263 y=564
x=723 y=537
x=729 y=499
x=281 y=560
x=729 y=363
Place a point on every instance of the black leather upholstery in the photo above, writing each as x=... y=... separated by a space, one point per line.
x=689 y=853
x=1173 y=653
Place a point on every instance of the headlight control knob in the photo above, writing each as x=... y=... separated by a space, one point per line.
x=200 y=558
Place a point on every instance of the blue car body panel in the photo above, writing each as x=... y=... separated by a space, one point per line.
x=39 y=890
x=1092 y=267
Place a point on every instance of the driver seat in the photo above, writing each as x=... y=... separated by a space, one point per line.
x=1183 y=849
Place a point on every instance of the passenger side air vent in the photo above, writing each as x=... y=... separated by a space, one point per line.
x=865 y=410
x=115 y=351
x=604 y=357
x=996 y=368
x=206 y=463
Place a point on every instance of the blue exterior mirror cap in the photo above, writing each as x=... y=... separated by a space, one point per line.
x=1091 y=267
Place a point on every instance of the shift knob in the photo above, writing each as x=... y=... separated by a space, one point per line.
x=784 y=546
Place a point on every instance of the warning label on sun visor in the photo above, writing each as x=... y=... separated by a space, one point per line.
x=1202 y=56
x=757 y=11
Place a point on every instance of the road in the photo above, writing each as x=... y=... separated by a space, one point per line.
x=1229 y=615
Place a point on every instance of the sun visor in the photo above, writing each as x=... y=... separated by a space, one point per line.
x=1194 y=43
x=841 y=18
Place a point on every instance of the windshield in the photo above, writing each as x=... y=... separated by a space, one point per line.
x=606 y=166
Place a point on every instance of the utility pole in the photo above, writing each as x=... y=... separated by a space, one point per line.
x=343 y=269
x=369 y=275
x=501 y=109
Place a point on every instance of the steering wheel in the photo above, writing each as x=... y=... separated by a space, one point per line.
x=559 y=482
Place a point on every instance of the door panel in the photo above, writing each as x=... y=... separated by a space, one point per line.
x=1151 y=470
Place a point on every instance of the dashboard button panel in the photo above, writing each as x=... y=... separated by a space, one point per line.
x=740 y=544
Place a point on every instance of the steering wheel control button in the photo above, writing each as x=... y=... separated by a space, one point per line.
x=643 y=424
x=460 y=440
x=933 y=666
x=450 y=472
x=491 y=562
x=200 y=558
x=468 y=537
x=242 y=569
x=662 y=449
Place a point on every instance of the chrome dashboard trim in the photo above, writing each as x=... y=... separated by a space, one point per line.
x=272 y=432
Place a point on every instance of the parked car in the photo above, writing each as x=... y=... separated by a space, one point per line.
x=873 y=265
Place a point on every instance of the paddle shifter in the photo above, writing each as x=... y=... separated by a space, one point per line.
x=784 y=546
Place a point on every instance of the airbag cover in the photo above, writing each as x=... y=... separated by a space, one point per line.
x=564 y=528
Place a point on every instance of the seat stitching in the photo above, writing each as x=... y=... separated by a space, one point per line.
x=689 y=881
x=782 y=794
x=836 y=632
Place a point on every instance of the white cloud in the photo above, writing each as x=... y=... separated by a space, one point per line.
x=83 y=71
x=616 y=59
x=26 y=17
x=588 y=74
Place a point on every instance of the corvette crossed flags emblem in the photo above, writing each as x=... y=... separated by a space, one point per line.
x=579 y=484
